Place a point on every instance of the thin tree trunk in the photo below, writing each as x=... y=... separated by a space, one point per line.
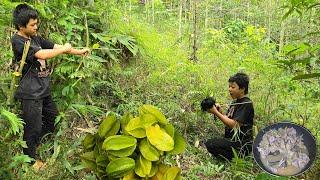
x=206 y=17
x=282 y=34
x=130 y=9
x=195 y=32
x=221 y=16
x=248 y=11
x=269 y=18
x=152 y=11
x=185 y=11
x=147 y=9
x=180 y=18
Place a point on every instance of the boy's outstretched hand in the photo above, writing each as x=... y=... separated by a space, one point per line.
x=84 y=52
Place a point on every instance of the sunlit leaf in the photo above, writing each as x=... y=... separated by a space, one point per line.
x=159 y=138
x=135 y=128
x=120 y=167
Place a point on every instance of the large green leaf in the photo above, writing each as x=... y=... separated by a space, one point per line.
x=156 y=112
x=148 y=120
x=148 y=151
x=118 y=142
x=107 y=125
x=169 y=128
x=102 y=160
x=124 y=121
x=120 y=167
x=135 y=128
x=89 y=141
x=179 y=144
x=114 y=130
x=172 y=173
x=123 y=152
x=143 y=167
x=159 y=138
x=88 y=160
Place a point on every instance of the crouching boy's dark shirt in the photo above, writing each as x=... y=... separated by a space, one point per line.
x=242 y=111
x=34 y=83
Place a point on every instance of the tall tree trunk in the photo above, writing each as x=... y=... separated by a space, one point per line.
x=195 y=32
x=221 y=15
x=269 y=10
x=147 y=9
x=180 y=18
x=185 y=11
x=206 y=16
x=152 y=11
x=130 y=9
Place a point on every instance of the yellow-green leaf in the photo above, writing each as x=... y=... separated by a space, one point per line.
x=120 y=167
x=88 y=160
x=114 y=130
x=102 y=160
x=118 y=142
x=148 y=151
x=124 y=121
x=130 y=176
x=159 y=138
x=160 y=172
x=106 y=125
x=156 y=112
x=169 y=129
x=123 y=152
x=89 y=156
x=89 y=141
x=147 y=120
x=172 y=173
x=143 y=167
x=135 y=128
x=179 y=144
x=111 y=157
x=154 y=170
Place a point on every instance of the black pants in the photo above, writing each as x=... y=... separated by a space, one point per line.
x=222 y=147
x=39 y=117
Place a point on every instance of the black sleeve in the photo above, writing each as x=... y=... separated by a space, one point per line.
x=46 y=44
x=244 y=114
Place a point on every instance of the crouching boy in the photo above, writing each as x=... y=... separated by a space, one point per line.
x=238 y=120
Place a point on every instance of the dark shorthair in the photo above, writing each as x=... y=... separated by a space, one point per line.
x=22 y=14
x=208 y=103
x=242 y=80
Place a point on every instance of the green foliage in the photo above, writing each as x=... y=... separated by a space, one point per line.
x=208 y=170
x=121 y=154
x=15 y=123
x=302 y=56
x=235 y=30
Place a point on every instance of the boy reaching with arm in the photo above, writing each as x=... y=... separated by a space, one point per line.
x=38 y=108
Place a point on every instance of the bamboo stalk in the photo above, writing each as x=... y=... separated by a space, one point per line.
x=18 y=73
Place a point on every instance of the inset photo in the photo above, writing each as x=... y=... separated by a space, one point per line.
x=284 y=149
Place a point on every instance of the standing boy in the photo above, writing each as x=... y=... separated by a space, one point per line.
x=238 y=121
x=38 y=109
